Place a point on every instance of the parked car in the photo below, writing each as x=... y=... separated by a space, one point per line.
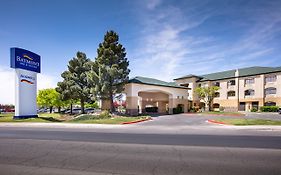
x=42 y=110
x=89 y=110
x=74 y=111
x=279 y=110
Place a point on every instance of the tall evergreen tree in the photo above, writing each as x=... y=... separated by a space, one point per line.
x=75 y=84
x=110 y=68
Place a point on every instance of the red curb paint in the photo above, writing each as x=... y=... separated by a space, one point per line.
x=137 y=121
x=217 y=122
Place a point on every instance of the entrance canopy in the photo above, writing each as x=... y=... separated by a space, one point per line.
x=148 y=94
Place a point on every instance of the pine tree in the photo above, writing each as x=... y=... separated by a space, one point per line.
x=110 y=69
x=75 y=84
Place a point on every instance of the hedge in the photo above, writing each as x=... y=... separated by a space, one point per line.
x=269 y=108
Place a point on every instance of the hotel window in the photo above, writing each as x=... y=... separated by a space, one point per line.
x=231 y=83
x=270 y=91
x=217 y=94
x=270 y=78
x=249 y=92
x=249 y=81
x=230 y=93
x=217 y=84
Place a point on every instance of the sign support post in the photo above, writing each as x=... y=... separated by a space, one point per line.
x=26 y=64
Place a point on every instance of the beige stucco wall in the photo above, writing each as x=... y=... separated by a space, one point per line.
x=240 y=87
x=192 y=84
x=139 y=95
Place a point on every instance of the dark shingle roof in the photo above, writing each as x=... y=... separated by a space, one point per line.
x=242 y=72
x=152 y=81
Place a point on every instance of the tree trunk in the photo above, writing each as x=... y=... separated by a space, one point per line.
x=112 y=108
x=51 y=109
x=59 y=109
x=70 y=108
x=82 y=106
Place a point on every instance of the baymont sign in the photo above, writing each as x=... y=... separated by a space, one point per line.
x=27 y=62
x=24 y=59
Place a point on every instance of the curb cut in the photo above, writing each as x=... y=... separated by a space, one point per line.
x=217 y=122
x=137 y=121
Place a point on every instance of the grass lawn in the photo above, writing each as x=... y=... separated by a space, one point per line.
x=44 y=117
x=113 y=120
x=223 y=113
x=55 y=117
x=241 y=122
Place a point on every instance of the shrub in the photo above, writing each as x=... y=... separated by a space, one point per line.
x=177 y=110
x=254 y=110
x=269 y=108
x=151 y=109
x=222 y=108
x=104 y=114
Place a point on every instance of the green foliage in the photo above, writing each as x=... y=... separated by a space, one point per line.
x=49 y=98
x=92 y=105
x=75 y=84
x=177 y=110
x=254 y=110
x=104 y=114
x=222 y=108
x=269 y=108
x=109 y=73
x=207 y=94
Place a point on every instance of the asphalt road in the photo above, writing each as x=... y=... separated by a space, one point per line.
x=93 y=151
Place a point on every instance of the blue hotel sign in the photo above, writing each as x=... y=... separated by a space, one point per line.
x=24 y=59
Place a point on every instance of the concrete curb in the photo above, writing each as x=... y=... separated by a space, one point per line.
x=137 y=121
x=216 y=122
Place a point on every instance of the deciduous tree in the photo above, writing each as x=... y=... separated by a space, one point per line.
x=207 y=94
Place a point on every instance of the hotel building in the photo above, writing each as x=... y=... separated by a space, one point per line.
x=240 y=90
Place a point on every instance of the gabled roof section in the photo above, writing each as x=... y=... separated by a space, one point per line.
x=188 y=76
x=152 y=81
x=248 y=71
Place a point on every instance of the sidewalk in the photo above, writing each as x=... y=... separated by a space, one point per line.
x=60 y=125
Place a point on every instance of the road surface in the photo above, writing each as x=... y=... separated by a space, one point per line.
x=131 y=151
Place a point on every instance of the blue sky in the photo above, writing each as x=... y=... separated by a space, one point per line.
x=164 y=39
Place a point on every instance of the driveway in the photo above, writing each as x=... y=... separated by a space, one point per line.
x=200 y=119
x=182 y=120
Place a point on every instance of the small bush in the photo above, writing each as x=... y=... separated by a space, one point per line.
x=269 y=108
x=222 y=108
x=254 y=110
x=86 y=117
x=151 y=109
x=177 y=110
x=104 y=114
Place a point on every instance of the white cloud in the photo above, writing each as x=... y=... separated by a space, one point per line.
x=166 y=51
x=7 y=87
x=163 y=45
x=152 y=4
x=46 y=81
